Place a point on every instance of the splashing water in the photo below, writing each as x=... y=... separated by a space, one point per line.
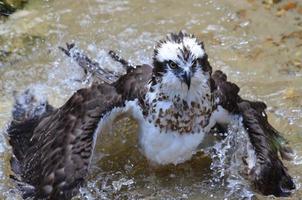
x=228 y=156
x=244 y=39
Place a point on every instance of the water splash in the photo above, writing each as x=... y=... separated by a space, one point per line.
x=117 y=185
x=231 y=157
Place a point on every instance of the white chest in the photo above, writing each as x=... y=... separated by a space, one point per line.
x=166 y=148
x=163 y=147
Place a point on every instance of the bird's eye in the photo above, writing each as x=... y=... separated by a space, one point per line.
x=173 y=65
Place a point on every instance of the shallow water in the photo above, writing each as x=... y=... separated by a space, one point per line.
x=258 y=50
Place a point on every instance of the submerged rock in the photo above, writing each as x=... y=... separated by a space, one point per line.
x=7 y=7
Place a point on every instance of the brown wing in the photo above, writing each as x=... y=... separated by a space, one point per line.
x=134 y=84
x=58 y=153
x=53 y=149
x=131 y=86
x=270 y=175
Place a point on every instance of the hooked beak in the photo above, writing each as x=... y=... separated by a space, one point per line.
x=186 y=77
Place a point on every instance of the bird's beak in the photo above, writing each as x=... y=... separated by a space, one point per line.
x=186 y=77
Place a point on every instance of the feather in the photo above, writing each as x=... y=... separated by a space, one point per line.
x=269 y=176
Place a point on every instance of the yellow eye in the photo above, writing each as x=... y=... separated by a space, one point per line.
x=173 y=65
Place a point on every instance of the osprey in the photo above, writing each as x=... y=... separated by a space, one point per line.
x=176 y=103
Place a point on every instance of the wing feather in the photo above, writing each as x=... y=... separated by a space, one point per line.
x=53 y=153
x=270 y=176
x=58 y=152
x=90 y=66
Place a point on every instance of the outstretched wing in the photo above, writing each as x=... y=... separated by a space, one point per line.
x=53 y=149
x=58 y=152
x=270 y=176
x=131 y=86
x=90 y=67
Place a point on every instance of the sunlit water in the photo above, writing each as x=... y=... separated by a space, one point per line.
x=258 y=50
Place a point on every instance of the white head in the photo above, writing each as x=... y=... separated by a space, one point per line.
x=180 y=96
x=181 y=64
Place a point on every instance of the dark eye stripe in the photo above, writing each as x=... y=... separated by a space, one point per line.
x=204 y=63
x=194 y=63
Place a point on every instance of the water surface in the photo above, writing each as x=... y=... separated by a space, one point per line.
x=259 y=50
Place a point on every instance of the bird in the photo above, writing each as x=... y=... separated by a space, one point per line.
x=177 y=101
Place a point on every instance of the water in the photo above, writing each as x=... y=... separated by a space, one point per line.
x=258 y=50
x=227 y=163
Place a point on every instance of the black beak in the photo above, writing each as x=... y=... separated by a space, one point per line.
x=186 y=77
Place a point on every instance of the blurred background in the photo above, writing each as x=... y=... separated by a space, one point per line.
x=258 y=43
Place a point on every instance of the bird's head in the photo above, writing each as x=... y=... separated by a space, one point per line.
x=180 y=62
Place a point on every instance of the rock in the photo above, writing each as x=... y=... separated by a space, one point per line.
x=7 y=7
